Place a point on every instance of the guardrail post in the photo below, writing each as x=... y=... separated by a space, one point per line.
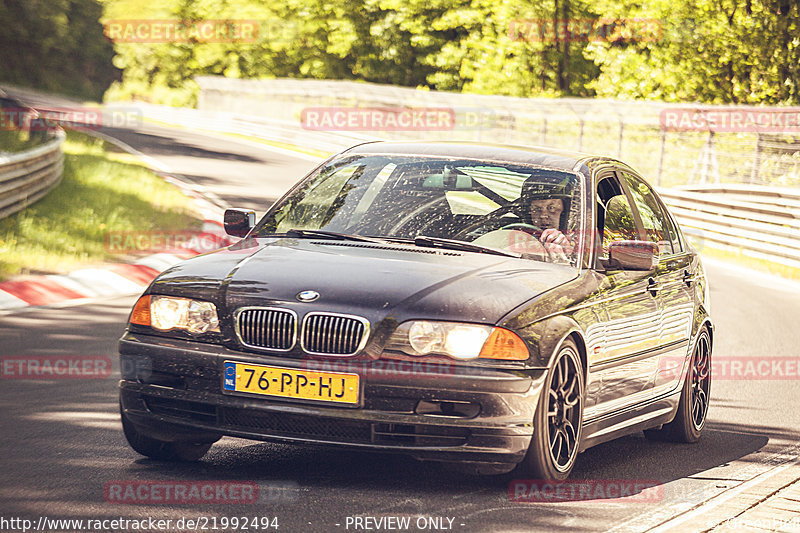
x=581 y=123
x=754 y=173
x=707 y=167
x=544 y=132
x=661 y=157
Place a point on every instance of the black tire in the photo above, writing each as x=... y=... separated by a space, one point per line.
x=690 y=419
x=558 y=422
x=160 y=450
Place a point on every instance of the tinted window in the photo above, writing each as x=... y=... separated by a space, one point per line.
x=614 y=214
x=653 y=217
x=674 y=233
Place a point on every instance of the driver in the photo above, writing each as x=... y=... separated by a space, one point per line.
x=547 y=208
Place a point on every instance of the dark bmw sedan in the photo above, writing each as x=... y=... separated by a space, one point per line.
x=492 y=306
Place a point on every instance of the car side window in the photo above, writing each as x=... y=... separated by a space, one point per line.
x=654 y=219
x=674 y=232
x=615 y=220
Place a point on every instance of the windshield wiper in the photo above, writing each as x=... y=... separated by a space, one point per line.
x=421 y=240
x=319 y=233
x=450 y=244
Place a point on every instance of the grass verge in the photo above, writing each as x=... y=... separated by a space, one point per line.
x=101 y=191
x=737 y=257
x=16 y=141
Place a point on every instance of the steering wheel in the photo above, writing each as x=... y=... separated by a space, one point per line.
x=486 y=222
x=536 y=231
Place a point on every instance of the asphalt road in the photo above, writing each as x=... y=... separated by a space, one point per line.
x=61 y=442
x=241 y=173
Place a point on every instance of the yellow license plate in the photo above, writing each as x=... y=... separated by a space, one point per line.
x=289 y=383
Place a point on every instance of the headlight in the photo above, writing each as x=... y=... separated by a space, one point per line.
x=425 y=337
x=165 y=313
x=457 y=340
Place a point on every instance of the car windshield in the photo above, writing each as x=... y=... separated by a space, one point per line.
x=509 y=206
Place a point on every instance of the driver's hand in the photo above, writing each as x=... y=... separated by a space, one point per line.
x=554 y=237
x=556 y=243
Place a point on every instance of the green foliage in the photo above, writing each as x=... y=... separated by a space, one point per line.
x=56 y=45
x=100 y=192
x=717 y=51
x=12 y=140
x=13 y=137
x=458 y=45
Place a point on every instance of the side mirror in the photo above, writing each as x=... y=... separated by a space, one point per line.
x=239 y=222
x=633 y=255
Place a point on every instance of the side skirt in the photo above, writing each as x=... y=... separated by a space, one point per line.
x=638 y=418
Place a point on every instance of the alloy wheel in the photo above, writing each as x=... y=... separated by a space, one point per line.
x=701 y=381
x=564 y=412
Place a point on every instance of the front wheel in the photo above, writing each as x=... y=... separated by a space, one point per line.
x=559 y=417
x=162 y=450
x=693 y=406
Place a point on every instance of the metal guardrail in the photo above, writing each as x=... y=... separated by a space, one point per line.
x=27 y=176
x=760 y=221
x=640 y=133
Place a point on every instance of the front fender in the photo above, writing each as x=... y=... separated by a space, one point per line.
x=546 y=336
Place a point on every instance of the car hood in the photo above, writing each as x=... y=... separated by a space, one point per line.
x=372 y=280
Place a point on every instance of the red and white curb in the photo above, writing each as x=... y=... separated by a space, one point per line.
x=105 y=280
x=120 y=279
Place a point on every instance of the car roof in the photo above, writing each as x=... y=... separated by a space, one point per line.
x=538 y=156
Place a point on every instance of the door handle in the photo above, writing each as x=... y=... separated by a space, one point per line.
x=653 y=287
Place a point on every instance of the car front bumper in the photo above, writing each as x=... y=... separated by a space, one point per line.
x=171 y=389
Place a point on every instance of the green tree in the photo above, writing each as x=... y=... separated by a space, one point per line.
x=56 y=45
x=717 y=51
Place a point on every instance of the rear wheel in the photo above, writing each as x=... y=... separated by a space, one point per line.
x=162 y=450
x=558 y=421
x=693 y=407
